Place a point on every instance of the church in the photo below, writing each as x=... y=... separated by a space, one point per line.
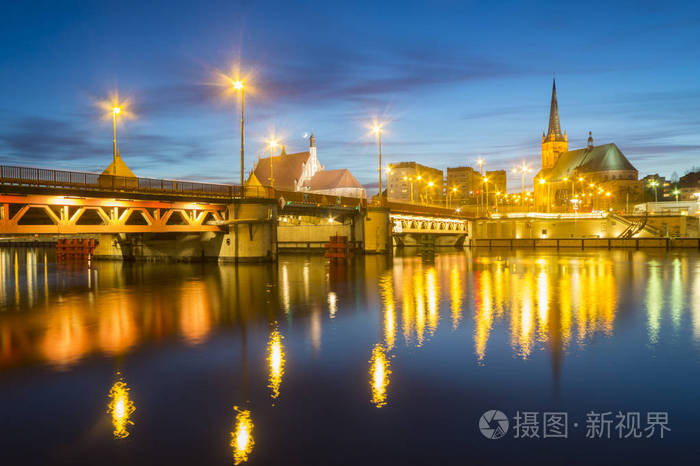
x=597 y=177
x=302 y=171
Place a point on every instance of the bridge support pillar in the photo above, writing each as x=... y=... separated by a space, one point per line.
x=377 y=231
x=254 y=239
x=109 y=247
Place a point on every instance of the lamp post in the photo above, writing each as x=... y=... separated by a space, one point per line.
x=448 y=198
x=428 y=197
x=480 y=162
x=115 y=112
x=654 y=184
x=523 y=170
x=238 y=85
x=273 y=144
x=486 y=189
x=676 y=192
x=377 y=129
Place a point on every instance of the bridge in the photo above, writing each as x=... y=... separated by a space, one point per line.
x=136 y=217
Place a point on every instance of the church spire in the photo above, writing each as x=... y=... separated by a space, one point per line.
x=554 y=125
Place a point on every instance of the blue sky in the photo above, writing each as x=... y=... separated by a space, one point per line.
x=453 y=80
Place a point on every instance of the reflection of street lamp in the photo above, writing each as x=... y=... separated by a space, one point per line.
x=273 y=144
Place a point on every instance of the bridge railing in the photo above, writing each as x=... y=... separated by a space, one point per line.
x=42 y=177
x=300 y=197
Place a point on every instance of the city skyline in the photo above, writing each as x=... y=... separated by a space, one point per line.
x=480 y=88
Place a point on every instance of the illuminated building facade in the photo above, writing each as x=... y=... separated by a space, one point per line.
x=411 y=182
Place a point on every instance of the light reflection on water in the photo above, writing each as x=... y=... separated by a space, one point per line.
x=112 y=308
x=514 y=303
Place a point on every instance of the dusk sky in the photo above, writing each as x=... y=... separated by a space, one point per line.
x=452 y=80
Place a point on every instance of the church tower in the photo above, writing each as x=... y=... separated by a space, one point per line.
x=554 y=143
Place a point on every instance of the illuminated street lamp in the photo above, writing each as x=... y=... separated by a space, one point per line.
x=486 y=189
x=238 y=86
x=115 y=111
x=448 y=199
x=377 y=129
x=273 y=145
x=523 y=169
x=654 y=184
x=428 y=196
x=676 y=192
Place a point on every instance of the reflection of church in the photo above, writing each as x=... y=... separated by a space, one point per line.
x=596 y=177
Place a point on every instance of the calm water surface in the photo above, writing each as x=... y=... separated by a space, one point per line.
x=383 y=361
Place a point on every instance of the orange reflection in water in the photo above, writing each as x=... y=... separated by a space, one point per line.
x=195 y=312
x=275 y=361
x=379 y=376
x=543 y=299
x=117 y=329
x=387 y=290
x=121 y=408
x=66 y=338
x=242 y=440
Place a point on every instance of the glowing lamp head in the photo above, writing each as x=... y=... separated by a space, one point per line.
x=116 y=110
x=376 y=129
x=542 y=181
x=238 y=85
x=273 y=144
x=430 y=183
x=418 y=177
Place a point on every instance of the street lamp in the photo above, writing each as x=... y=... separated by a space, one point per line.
x=448 y=198
x=428 y=196
x=273 y=145
x=654 y=184
x=238 y=86
x=115 y=111
x=523 y=169
x=377 y=129
x=486 y=189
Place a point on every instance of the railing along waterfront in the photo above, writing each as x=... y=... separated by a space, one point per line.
x=49 y=178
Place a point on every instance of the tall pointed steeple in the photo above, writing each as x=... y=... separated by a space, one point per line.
x=554 y=143
x=554 y=125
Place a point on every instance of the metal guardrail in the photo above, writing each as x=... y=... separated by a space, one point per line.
x=314 y=199
x=49 y=178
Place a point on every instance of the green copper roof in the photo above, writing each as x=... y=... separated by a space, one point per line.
x=596 y=159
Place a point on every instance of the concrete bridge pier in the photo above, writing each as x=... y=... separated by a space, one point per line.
x=252 y=233
x=376 y=231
